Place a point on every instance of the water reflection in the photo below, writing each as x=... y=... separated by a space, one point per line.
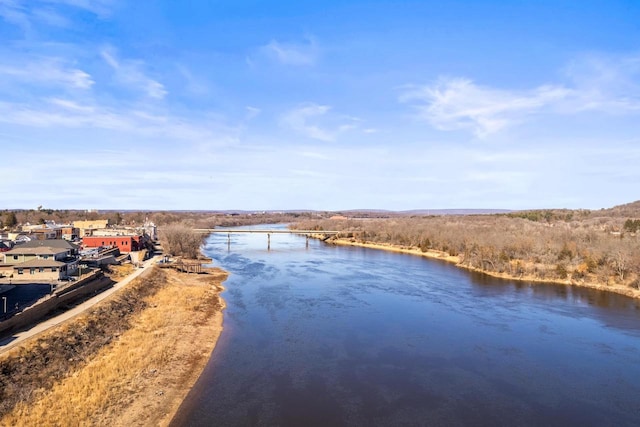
x=346 y=336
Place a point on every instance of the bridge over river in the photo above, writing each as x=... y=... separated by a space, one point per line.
x=268 y=232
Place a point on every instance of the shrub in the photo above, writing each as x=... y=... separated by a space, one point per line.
x=561 y=271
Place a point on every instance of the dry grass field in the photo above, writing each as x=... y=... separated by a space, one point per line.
x=130 y=360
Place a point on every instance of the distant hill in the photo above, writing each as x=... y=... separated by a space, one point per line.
x=455 y=211
x=382 y=213
x=627 y=210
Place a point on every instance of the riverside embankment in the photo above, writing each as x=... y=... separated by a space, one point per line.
x=129 y=360
x=458 y=261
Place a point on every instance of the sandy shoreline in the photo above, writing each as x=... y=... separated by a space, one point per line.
x=432 y=254
x=210 y=340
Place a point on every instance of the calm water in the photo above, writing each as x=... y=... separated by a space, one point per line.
x=333 y=336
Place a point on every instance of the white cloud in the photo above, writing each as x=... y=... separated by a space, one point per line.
x=59 y=113
x=317 y=122
x=51 y=17
x=291 y=53
x=47 y=72
x=71 y=105
x=298 y=120
x=610 y=84
x=595 y=83
x=26 y=13
x=252 y=112
x=13 y=12
x=130 y=74
x=456 y=103
x=101 y=8
x=193 y=85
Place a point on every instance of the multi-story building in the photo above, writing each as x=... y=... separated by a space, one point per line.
x=125 y=243
x=87 y=228
x=70 y=233
x=40 y=260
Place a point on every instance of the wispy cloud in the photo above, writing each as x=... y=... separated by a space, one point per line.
x=59 y=113
x=300 y=120
x=299 y=54
x=28 y=13
x=458 y=103
x=252 y=112
x=101 y=8
x=193 y=85
x=71 y=105
x=50 y=17
x=317 y=122
x=46 y=72
x=130 y=74
x=610 y=85
x=14 y=12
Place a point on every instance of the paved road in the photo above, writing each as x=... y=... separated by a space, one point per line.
x=19 y=337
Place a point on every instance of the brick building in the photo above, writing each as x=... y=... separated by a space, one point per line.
x=123 y=243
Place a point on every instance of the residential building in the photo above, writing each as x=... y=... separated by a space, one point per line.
x=41 y=260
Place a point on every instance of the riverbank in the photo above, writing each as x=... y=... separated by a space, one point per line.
x=130 y=360
x=443 y=256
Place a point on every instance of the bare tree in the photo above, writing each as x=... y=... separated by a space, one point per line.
x=181 y=240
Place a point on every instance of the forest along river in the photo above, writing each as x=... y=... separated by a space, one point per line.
x=351 y=336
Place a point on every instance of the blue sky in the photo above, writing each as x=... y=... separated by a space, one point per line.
x=115 y=104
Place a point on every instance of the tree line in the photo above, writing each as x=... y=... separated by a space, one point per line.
x=589 y=248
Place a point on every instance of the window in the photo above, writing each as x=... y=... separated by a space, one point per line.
x=41 y=270
x=19 y=271
x=53 y=269
x=15 y=257
x=32 y=270
x=45 y=256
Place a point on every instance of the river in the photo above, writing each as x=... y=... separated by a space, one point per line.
x=332 y=336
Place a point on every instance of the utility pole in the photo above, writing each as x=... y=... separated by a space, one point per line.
x=4 y=300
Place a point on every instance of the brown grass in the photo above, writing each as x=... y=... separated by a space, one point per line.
x=117 y=272
x=136 y=373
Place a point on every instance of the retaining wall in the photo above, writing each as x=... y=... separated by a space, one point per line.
x=36 y=312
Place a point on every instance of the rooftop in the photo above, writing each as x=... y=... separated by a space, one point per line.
x=36 y=263
x=22 y=250
x=52 y=243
